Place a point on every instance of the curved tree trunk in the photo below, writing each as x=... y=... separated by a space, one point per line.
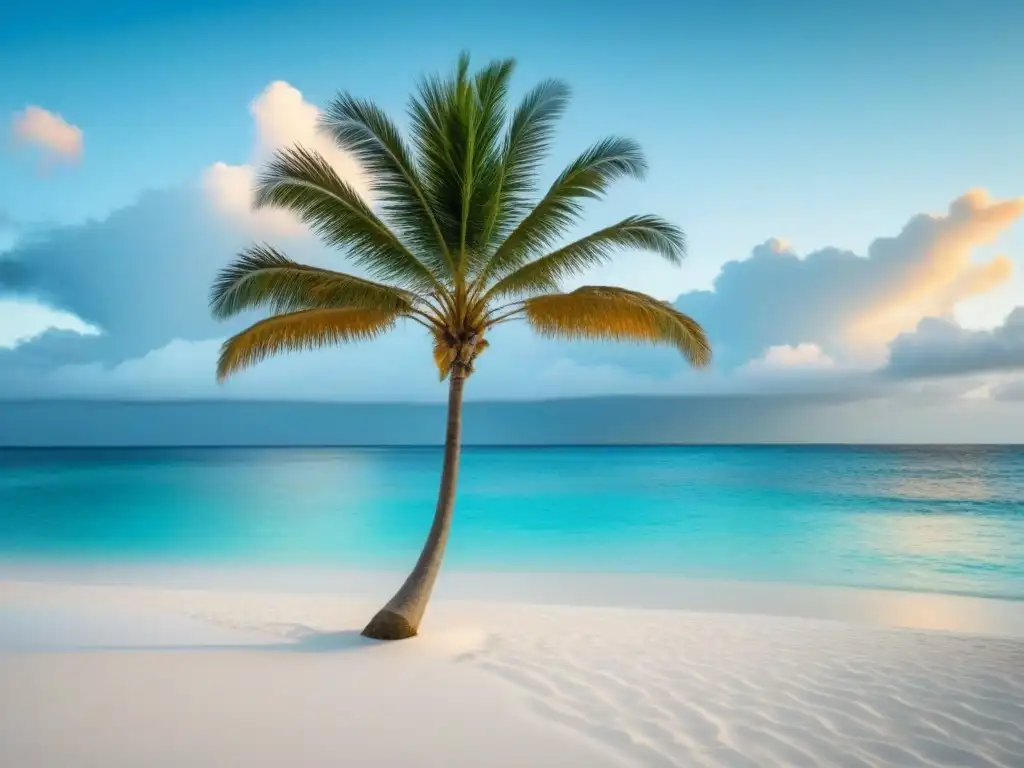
x=400 y=618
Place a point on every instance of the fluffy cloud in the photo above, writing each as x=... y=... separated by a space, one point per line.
x=51 y=134
x=141 y=276
x=942 y=348
x=851 y=305
x=282 y=118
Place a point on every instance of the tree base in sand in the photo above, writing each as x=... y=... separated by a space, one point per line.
x=388 y=625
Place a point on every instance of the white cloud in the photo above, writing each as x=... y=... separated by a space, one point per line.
x=57 y=139
x=790 y=357
x=22 y=320
x=282 y=118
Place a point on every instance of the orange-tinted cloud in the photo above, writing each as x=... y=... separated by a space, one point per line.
x=57 y=139
x=850 y=306
x=933 y=269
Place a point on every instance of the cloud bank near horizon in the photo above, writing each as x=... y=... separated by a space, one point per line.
x=128 y=316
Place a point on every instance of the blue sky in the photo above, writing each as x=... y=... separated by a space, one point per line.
x=826 y=124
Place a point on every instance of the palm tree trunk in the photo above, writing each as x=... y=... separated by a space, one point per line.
x=400 y=618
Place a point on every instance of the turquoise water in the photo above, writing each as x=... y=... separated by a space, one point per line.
x=944 y=519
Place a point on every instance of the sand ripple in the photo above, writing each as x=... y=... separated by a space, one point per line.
x=677 y=689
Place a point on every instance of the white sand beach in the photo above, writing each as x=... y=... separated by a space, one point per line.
x=181 y=674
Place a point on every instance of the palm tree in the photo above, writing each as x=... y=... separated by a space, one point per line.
x=458 y=241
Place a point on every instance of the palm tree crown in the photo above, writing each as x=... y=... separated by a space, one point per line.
x=459 y=239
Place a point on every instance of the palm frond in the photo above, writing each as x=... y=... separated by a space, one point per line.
x=456 y=126
x=308 y=329
x=649 y=233
x=600 y=312
x=491 y=90
x=302 y=181
x=483 y=161
x=444 y=354
x=363 y=129
x=525 y=147
x=587 y=177
x=439 y=135
x=263 y=277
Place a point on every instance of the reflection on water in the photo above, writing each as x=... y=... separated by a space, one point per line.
x=962 y=487
x=944 y=538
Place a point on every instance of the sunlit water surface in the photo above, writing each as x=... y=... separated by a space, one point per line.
x=941 y=519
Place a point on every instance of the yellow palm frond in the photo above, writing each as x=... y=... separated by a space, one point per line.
x=309 y=329
x=444 y=353
x=616 y=314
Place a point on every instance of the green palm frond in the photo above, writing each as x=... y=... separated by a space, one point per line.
x=649 y=233
x=609 y=313
x=263 y=277
x=587 y=177
x=302 y=181
x=482 y=170
x=308 y=329
x=525 y=148
x=440 y=134
x=457 y=129
x=362 y=128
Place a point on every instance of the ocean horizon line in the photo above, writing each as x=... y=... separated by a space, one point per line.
x=816 y=396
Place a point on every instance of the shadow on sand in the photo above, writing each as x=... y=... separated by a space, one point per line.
x=297 y=639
